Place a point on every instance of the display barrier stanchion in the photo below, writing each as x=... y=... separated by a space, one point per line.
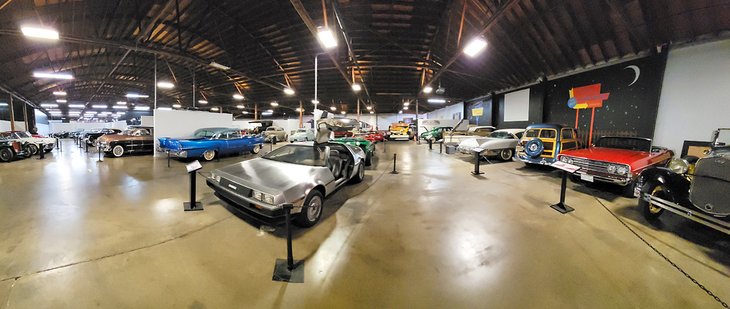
x=441 y=146
x=98 y=151
x=288 y=270
x=395 y=156
x=192 y=169
x=430 y=144
x=476 y=163
x=271 y=146
x=385 y=142
x=86 y=146
x=60 y=145
x=41 y=152
x=168 y=158
x=561 y=207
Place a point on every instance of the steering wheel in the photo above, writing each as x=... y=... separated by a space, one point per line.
x=534 y=147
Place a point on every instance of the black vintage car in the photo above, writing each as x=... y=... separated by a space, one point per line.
x=10 y=150
x=695 y=188
x=91 y=136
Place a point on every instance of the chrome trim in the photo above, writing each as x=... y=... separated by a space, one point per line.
x=694 y=215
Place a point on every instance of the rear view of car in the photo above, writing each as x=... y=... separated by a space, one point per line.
x=541 y=143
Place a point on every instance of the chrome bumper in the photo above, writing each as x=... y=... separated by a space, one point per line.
x=607 y=179
x=693 y=215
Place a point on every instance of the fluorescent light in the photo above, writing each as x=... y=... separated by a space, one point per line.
x=327 y=38
x=343 y=112
x=55 y=113
x=427 y=89
x=475 y=46
x=269 y=110
x=119 y=107
x=176 y=106
x=237 y=96
x=298 y=109
x=333 y=108
x=219 y=66
x=406 y=103
x=215 y=109
x=52 y=75
x=289 y=91
x=136 y=95
x=315 y=101
x=61 y=101
x=400 y=112
x=267 y=113
x=405 y=108
x=164 y=108
x=274 y=104
x=40 y=33
x=100 y=106
x=49 y=105
x=245 y=112
x=435 y=100
x=372 y=112
x=141 y=108
x=3 y=104
x=59 y=93
x=356 y=87
x=165 y=85
x=121 y=103
x=239 y=106
x=202 y=102
x=76 y=105
x=369 y=107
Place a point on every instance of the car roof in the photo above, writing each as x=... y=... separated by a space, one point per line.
x=546 y=126
x=513 y=131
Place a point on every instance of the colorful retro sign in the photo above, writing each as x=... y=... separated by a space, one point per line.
x=587 y=97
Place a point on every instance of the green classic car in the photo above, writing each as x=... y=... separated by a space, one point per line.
x=367 y=146
x=435 y=134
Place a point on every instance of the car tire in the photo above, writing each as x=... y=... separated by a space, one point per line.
x=360 y=173
x=118 y=151
x=32 y=149
x=6 y=155
x=273 y=140
x=256 y=149
x=506 y=154
x=649 y=211
x=209 y=155
x=311 y=210
x=369 y=159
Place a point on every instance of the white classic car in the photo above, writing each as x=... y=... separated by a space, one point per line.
x=31 y=144
x=301 y=135
x=500 y=143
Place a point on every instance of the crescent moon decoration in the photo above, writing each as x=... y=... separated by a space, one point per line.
x=637 y=72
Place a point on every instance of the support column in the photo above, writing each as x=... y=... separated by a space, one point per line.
x=301 y=114
x=256 y=111
x=12 y=114
x=25 y=117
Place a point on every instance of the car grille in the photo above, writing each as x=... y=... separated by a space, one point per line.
x=596 y=168
x=710 y=185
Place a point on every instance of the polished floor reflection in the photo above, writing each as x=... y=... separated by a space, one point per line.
x=82 y=233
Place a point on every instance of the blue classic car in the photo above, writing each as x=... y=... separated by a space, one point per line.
x=208 y=143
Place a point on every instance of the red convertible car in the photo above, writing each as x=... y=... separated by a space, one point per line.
x=616 y=160
x=372 y=136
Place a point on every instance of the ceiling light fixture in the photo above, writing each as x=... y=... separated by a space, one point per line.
x=59 y=93
x=176 y=106
x=100 y=106
x=333 y=108
x=400 y=112
x=119 y=107
x=427 y=89
x=475 y=46
x=165 y=85
x=76 y=105
x=372 y=112
x=274 y=104
x=289 y=91
x=202 y=102
x=141 y=108
x=239 y=106
x=219 y=66
x=215 y=109
x=137 y=95
x=245 y=112
x=326 y=38
x=238 y=96
x=121 y=103
x=315 y=101
x=298 y=109
x=61 y=101
x=52 y=75
x=405 y=108
x=3 y=104
x=406 y=103
x=48 y=105
x=436 y=100
x=356 y=87
x=164 y=108
x=39 y=32
x=369 y=107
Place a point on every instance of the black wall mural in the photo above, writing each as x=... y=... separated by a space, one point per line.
x=479 y=112
x=633 y=90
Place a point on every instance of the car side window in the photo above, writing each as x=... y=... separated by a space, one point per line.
x=532 y=133
x=567 y=134
x=519 y=135
x=234 y=134
x=547 y=133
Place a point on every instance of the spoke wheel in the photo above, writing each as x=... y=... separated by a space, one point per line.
x=209 y=155
x=506 y=154
x=118 y=151
x=650 y=210
x=256 y=149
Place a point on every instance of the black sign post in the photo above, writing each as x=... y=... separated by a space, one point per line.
x=395 y=171
x=192 y=169
x=288 y=270
x=477 y=158
x=565 y=169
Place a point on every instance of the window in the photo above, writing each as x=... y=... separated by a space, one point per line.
x=567 y=133
x=548 y=133
x=270 y=129
x=519 y=135
x=303 y=155
x=531 y=133
x=234 y=134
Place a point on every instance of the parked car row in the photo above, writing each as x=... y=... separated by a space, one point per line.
x=29 y=144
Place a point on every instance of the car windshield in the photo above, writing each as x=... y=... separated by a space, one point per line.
x=497 y=134
x=302 y=131
x=627 y=143
x=298 y=154
x=23 y=134
x=204 y=133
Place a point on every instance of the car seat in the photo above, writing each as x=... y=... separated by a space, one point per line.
x=334 y=163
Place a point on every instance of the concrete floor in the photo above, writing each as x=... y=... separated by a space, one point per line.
x=78 y=233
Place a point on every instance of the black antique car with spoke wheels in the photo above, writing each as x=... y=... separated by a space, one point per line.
x=695 y=188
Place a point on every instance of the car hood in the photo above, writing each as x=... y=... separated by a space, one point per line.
x=608 y=154
x=269 y=176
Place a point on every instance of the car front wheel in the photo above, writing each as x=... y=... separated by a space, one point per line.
x=32 y=149
x=506 y=154
x=311 y=210
x=256 y=149
x=209 y=155
x=649 y=209
x=118 y=151
x=6 y=155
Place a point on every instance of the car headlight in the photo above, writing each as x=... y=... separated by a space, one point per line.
x=266 y=198
x=622 y=170
x=679 y=166
x=612 y=169
x=564 y=159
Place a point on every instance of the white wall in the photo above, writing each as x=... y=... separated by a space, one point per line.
x=148 y=121
x=180 y=123
x=5 y=125
x=695 y=96
x=447 y=112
